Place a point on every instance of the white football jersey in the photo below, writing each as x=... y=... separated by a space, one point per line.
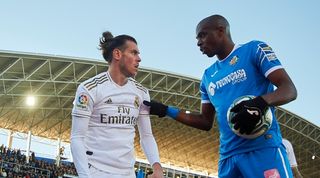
x=290 y=152
x=114 y=111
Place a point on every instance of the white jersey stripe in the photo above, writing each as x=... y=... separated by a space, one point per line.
x=283 y=163
x=272 y=69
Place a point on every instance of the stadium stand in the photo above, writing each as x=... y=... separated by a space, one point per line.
x=53 y=79
x=14 y=164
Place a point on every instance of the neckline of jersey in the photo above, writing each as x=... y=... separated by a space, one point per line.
x=236 y=46
x=114 y=83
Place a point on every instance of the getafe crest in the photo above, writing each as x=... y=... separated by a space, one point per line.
x=234 y=60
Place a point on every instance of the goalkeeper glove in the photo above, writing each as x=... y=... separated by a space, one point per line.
x=161 y=110
x=248 y=114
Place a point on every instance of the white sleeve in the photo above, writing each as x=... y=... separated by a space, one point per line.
x=147 y=140
x=78 y=150
x=81 y=113
x=290 y=152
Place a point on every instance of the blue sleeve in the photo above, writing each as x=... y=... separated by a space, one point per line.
x=266 y=59
x=203 y=90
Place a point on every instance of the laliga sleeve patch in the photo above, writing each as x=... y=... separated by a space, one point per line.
x=271 y=56
x=268 y=52
x=271 y=173
x=82 y=101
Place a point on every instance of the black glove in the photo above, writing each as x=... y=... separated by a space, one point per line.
x=156 y=108
x=248 y=114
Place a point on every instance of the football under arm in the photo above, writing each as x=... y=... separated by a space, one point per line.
x=78 y=150
x=147 y=140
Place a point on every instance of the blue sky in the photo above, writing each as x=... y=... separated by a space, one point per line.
x=165 y=31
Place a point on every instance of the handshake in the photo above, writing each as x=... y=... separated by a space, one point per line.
x=161 y=110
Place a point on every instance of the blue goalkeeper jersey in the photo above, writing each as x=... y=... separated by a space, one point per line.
x=243 y=72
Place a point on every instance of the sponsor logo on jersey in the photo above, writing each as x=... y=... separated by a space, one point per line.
x=211 y=88
x=123 y=116
x=271 y=173
x=232 y=78
x=119 y=119
x=109 y=101
x=234 y=60
x=82 y=101
x=136 y=102
x=212 y=75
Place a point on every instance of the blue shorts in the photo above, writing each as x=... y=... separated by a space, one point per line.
x=264 y=163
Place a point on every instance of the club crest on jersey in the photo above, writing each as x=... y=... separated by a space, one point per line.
x=211 y=88
x=234 y=60
x=82 y=101
x=136 y=102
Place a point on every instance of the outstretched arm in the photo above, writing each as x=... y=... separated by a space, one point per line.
x=203 y=120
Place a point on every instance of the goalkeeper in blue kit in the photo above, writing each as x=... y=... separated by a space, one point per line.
x=241 y=69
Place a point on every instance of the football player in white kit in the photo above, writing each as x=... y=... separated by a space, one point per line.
x=106 y=110
x=292 y=158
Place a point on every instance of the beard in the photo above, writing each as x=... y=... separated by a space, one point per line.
x=124 y=69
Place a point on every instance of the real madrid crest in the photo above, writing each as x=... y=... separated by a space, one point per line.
x=136 y=102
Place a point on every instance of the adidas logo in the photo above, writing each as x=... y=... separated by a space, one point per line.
x=108 y=101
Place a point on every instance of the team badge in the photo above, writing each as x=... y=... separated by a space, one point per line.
x=234 y=60
x=136 y=102
x=211 y=88
x=82 y=101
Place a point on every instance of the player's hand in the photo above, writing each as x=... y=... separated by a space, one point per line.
x=156 y=174
x=248 y=114
x=157 y=171
x=156 y=108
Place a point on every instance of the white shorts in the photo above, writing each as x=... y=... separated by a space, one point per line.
x=96 y=173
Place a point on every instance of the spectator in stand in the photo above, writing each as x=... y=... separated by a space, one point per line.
x=3 y=173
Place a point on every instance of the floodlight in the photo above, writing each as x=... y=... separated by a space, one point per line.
x=30 y=101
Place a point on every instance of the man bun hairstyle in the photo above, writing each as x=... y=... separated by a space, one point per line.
x=108 y=43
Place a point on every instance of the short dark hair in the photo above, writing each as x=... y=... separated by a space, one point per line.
x=108 y=43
